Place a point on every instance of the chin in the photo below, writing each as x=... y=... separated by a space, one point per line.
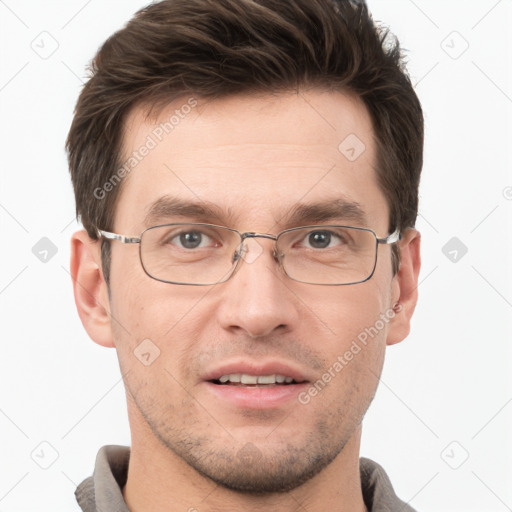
x=265 y=476
x=250 y=470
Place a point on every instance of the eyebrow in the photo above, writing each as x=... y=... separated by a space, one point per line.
x=338 y=209
x=301 y=214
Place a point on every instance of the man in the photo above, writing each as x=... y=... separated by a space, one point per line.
x=247 y=174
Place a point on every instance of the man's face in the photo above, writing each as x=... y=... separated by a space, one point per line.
x=255 y=158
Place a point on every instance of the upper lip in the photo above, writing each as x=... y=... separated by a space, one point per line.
x=255 y=368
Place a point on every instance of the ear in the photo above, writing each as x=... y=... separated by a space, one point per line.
x=90 y=289
x=405 y=286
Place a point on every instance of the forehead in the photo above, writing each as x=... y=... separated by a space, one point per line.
x=256 y=157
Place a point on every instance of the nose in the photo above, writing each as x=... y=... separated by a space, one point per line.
x=258 y=299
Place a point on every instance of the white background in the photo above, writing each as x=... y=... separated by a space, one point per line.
x=446 y=391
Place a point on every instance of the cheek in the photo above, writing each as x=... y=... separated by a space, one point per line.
x=355 y=322
x=346 y=312
x=145 y=306
x=354 y=354
x=157 y=318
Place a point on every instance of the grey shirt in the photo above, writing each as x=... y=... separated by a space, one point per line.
x=102 y=492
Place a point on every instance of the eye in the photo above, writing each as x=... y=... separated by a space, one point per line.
x=190 y=240
x=323 y=239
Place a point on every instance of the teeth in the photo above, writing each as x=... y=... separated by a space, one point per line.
x=249 y=379
x=244 y=378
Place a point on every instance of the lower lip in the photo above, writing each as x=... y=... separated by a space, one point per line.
x=247 y=397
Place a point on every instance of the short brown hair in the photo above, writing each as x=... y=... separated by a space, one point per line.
x=215 y=48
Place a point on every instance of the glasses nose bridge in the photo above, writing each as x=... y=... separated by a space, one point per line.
x=252 y=234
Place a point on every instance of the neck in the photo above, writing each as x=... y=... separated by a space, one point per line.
x=158 y=480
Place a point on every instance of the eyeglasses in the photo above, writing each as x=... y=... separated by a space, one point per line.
x=206 y=254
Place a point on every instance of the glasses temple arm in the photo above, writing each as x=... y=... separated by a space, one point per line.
x=392 y=238
x=122 y=238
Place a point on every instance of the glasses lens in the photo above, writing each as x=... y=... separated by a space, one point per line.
x=203 y=254
x=328 y=254
x=189 y=253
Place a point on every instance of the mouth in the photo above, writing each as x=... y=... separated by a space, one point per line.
x=258 y=381
x=251 y=385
